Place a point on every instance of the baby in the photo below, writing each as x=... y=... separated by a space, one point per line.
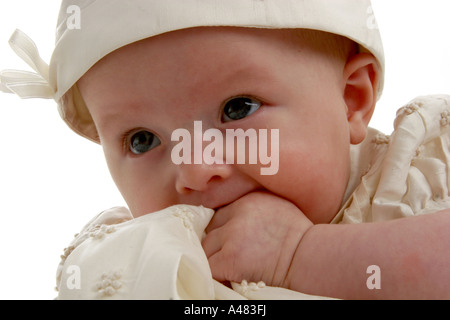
x=314 y=226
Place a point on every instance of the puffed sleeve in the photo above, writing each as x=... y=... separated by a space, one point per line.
x=408 y=172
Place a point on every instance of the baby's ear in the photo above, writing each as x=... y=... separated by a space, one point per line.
x=361 y=78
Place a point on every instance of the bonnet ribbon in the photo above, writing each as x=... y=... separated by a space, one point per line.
x=23 y=83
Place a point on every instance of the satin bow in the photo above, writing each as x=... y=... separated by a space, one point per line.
x=24 y=83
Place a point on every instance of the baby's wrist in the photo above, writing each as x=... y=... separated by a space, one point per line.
x=294 y=274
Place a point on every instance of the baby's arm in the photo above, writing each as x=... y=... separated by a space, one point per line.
x=263 y=237
x=413 y=255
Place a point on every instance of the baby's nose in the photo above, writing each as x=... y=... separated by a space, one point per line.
x=198 y=177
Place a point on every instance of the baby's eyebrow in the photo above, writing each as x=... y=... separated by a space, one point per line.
x=110 y=119
x=248 y=70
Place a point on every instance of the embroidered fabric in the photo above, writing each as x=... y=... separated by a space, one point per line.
x=405 y=174
x=157 y=256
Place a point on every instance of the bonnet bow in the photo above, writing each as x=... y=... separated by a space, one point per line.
x=24 y=83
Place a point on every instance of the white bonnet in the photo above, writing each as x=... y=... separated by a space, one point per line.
x=88 y=30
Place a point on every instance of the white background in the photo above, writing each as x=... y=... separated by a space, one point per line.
x=53 y=181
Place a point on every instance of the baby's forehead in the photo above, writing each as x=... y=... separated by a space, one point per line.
x=202 y=66
x=187 y=57
x=202 y=38
x=230 y=46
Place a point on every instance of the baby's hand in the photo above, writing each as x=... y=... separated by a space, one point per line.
x=255 y=239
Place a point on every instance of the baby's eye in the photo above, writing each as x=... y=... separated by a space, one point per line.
x=143 y=141
x=239 y=108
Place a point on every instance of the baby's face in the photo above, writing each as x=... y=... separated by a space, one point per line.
x=223 y=78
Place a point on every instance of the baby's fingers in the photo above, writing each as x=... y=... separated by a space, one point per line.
x=212 y=243
x=222 y=267
x=220 y=218
x=220 y=263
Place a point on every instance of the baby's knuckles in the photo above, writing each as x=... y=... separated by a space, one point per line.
x=263 y=201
